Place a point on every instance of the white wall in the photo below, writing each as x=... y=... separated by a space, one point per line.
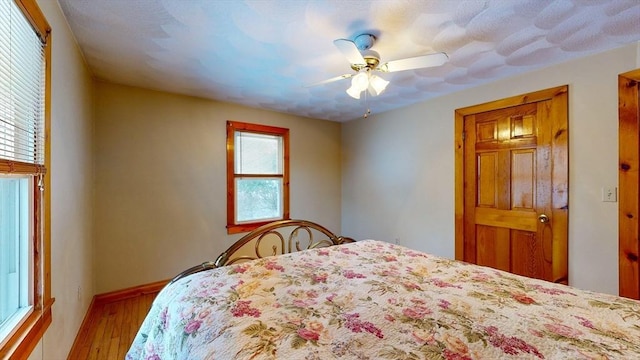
x=161 y=180
x=398 y=167
x=71 y=189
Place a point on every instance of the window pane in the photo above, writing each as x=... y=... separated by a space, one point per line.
x=258 y=153
x=14 y=246
x=258 y=199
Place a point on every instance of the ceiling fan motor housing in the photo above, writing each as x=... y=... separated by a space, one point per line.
x=364 y=41
x=372 y=58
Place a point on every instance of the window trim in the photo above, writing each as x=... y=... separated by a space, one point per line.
x=25 y=337
x=232 y=127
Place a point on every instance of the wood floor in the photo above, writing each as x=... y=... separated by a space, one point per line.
x=110 y=326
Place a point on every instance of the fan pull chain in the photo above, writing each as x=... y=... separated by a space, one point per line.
x=366 y=104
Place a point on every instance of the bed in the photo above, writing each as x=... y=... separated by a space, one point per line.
x=339 y=299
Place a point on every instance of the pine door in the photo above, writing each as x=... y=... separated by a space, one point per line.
x=514 y=207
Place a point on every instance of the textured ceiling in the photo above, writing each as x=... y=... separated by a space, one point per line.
x=263 y=53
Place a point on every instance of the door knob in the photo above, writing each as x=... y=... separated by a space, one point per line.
x=543 y=218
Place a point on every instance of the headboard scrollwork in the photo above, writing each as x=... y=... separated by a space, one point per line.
x=276 y=238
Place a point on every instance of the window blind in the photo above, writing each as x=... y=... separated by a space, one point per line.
x=22 y=87
x=258 y=153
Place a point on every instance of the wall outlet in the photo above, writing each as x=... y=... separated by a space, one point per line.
x=609 y=194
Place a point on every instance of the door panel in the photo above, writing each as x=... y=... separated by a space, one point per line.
x=493 y=247
x=487 y=178
x=528 y=256
x=523 y=179
x=487 y=131
x=486 y=237
x=505 y=162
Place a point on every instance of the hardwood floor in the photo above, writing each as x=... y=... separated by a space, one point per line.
x=110 y=326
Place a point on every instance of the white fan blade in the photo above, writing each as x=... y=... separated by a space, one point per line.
x=349 y=49
x=417 y=62
x=345 y=76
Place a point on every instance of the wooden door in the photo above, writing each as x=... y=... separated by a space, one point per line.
x=514 y=185
x=629 y=184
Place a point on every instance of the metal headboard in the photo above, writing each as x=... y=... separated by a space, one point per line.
x=284 y=236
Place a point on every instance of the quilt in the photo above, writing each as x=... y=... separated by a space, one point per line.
x=375 y=300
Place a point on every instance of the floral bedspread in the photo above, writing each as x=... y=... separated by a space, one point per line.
x=375 y=300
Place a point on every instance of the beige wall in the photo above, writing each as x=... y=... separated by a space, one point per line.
x=71 y=189
x=160 y=190
x=413 y=201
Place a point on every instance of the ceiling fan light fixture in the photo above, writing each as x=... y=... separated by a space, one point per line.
x=360 y=81
x=377 y=85
x=353 y=92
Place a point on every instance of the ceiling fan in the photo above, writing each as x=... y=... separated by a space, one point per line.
x=365 y=61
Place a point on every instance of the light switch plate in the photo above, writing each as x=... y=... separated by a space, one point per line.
x=609 y=194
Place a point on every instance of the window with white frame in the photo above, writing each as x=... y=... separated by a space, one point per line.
x=24 y=277
x=257 y=175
